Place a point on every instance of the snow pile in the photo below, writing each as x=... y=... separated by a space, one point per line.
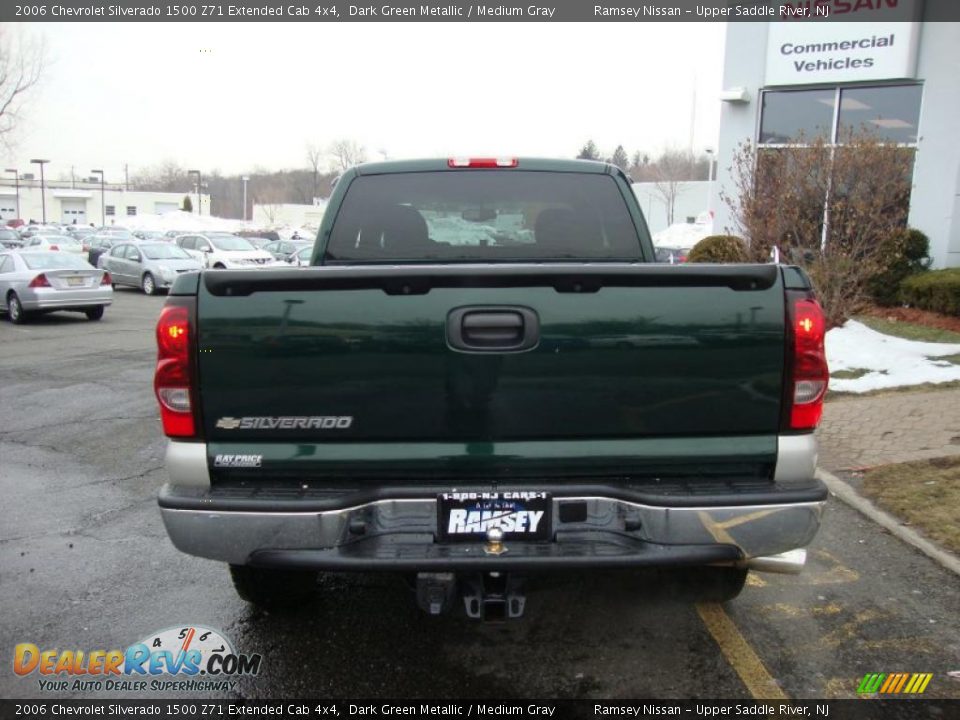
x=892 y=361
x=685 y=235
x=180 y=220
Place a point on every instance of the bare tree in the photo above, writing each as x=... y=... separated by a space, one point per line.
x=168 y=176
x=672 y=168
x=827 y=208
x=347 y=153
x=269 y=200
x=315 y=156
x=21 y=65
x=270 y=210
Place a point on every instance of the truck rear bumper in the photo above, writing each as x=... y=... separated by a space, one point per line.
x=400 y=534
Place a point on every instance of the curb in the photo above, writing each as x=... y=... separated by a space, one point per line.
x=907 y=534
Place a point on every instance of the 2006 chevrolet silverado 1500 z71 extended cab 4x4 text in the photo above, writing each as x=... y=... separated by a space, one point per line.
x=484 y=374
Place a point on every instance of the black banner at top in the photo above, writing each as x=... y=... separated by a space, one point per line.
x=461 y=11
x=487 y=709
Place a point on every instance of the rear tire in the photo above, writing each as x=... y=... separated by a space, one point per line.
x=715 y=584
x=272 y=589
x=219 y=266
x=94 y=313
x=148 y=284
x=15 y=310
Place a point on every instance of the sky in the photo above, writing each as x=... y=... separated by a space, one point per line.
x=246 y=96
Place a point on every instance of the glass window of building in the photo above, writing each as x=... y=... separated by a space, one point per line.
x=131 y=209
x=893 y=112
x=790 y=115
x=110 y=210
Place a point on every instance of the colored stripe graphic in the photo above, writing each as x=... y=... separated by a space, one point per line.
x=894 y=683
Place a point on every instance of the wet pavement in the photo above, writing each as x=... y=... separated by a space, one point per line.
x=86 y=564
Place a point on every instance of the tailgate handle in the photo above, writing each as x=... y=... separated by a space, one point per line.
x=493 y=329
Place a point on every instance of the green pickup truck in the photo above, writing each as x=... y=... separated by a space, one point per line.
x=484 y=374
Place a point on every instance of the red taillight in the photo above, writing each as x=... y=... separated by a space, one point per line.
x=39 y=281
x=106 y=279
x=810 y=372
x=54 y=247
x=483 y=162
x=172 y=378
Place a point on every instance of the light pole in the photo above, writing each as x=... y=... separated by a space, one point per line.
x=103 y=201
x=16 y=178
x=43 y=196
x=245 y=179
x=711 y=158
x=199 y=190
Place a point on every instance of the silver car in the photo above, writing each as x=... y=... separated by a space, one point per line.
x=43 y=281
x=150 y=266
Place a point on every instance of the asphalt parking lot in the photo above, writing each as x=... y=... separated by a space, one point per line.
x=85 y=563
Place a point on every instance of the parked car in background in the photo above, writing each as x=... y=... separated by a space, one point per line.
x=150 y=266
x=31 y=230
x=259 y=243
x=40 y=282
x=671 y=255
x=283 y=249
x=301 y=258
x=148 y=234
x=98 y=244
x=223 y=251
x=173 y=234
x=63 y=243
x=255 y=236
x=10 y=238
x=79 y=230
x=117 y=233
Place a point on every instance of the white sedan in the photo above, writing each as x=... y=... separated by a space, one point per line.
x=63 y=243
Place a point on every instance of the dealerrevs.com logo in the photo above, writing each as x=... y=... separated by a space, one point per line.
x=191 y=658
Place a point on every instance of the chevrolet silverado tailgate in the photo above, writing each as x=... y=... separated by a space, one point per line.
x=483 y=354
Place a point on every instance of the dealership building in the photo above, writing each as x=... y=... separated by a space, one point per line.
x=86 y=202
x=887 y=65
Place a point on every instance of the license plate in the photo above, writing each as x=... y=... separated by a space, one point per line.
x=467 y=516
x=74 y=281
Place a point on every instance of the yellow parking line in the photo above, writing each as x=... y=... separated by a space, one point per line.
x=739 y=654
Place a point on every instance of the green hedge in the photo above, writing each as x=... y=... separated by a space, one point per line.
x=904 y=253
x=719 y=249
x=937 y=291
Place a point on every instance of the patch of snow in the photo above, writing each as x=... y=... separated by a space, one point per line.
x=180 y=220
x=892 y=361
x=684 y=235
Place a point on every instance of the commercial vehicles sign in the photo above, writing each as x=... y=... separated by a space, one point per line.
x=806 y=52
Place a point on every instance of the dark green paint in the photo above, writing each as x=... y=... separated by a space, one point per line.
x=618 y=363
x=629 y=378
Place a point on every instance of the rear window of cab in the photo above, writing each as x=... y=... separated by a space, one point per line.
x=483 y=216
